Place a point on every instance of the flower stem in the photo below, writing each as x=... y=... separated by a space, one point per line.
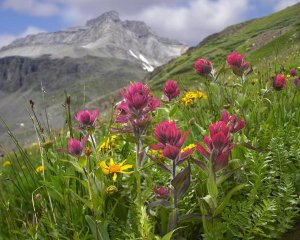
x=136 y=169
x=174 y=194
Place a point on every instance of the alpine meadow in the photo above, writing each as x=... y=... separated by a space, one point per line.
x=206 y=145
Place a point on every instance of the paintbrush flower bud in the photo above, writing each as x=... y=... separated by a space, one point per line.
x=203 y=66
x=279 y=82
x=171 y=90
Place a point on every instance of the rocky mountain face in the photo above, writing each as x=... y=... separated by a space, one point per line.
x=90 y=62
x=105 y=36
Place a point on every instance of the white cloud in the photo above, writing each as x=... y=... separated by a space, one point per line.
x=194 y=22
x=6 y=39
x=185 y=20
x=281 y=4
x=32 y=7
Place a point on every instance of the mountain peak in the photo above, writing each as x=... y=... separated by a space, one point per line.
x=112 y=15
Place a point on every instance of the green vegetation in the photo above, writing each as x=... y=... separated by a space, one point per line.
x=51 y=191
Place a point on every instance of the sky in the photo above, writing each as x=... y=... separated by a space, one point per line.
x=186 y=20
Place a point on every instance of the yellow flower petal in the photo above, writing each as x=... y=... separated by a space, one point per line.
x=104 y=167
x=39 y=169
x=121 y=164
x=111 y=162
x=103 y=164
x=115 y=177
x=126 y=167
x=105 y=171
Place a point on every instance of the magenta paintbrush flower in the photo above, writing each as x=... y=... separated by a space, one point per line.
x=279 y=82
x=203 y=66
x=237 y=64
x=170 y=139
x=137 y=96
x=218 y=145
x=87 y=118
x=162 y=192
x=293 y=72
x=171 y=90
x=136 y=104
x=234 y=124
x=75 y=147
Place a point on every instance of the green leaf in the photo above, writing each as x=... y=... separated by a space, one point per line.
x=82 y=161
x=224 y=177
x=182 y=181
x=169 y=234
x=212 y=186
x=172 y=222
x=102 y=233
x=160 y=202
x=193 y=217
x=173 y=111
x=227 y=198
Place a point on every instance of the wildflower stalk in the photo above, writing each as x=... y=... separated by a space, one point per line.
x=68 y=111
x=211 y=183
x=174 y=189
x=174 y=192
x=138 y=161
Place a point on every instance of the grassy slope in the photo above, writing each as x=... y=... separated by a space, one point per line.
x=273 y=34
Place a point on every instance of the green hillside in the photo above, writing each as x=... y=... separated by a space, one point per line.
x=259 y=39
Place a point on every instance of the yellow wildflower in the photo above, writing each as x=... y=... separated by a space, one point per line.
x=6 y=163
x=39 y=168
x=288 y=76
x=192 y=145
x=157 y=154
x=108 y=144
x=114 y=168
x=190 y=97
x=298 y=68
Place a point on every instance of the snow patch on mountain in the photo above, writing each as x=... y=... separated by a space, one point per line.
x=132 y=53
x=148 y=68
x=144 y=59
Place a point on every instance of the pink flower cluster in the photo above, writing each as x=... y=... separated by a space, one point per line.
x=162 y=192
x=136 y=104
x=219 y=143
x=235 y=61
x=86 y=118
x=75 y=147
x=170 y=141
x=237 y=64
x=279 y=82
x=203 y=67
x=87 y=121
x=171 y=90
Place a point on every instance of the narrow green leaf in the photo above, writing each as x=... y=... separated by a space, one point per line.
x=102 y=232
x=212 y=185
x=227 y=198
x=173 y=111
x=169 y=234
